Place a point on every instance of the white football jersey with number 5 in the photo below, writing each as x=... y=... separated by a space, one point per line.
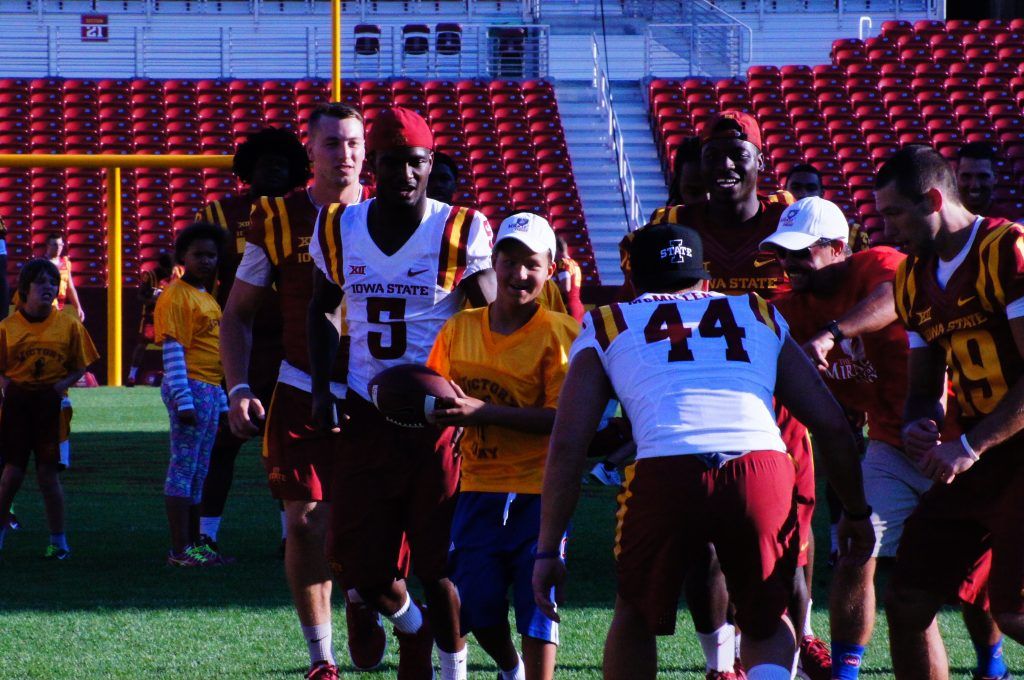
x=695 y=372
x=396 y=304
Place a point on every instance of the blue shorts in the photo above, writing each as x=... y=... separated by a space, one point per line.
x=494 y=537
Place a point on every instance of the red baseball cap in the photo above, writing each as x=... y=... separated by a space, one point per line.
x=732 y=125
x=398 y=127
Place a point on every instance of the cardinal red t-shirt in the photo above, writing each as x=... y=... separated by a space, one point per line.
x=867 y=374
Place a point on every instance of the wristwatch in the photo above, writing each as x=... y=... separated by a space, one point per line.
x=833 y=328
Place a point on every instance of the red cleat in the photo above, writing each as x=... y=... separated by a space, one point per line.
x=323 y=671
x=815 y=659
x=367 y=640
x=416 y=652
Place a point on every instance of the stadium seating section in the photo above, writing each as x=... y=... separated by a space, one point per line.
x=932 y=82
x=505 y=135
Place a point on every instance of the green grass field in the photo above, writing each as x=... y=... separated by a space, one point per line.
x=114 y=610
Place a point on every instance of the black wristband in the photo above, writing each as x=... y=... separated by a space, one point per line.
x=833 y=328
x=547 y=555
x=858 y=518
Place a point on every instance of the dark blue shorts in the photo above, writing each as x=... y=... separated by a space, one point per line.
x=494 y=537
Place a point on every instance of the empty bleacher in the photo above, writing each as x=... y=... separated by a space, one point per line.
x=505 y=135
x=931 y=82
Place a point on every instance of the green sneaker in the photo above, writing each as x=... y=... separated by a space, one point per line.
x=55 y=552
x=209 y=556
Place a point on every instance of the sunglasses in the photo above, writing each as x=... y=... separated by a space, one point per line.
x=802 y=254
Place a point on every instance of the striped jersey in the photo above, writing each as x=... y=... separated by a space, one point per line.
x=282 y=228
x=968 y=318
x=396 y=304
x=732 y=252
x=695 y=372
x=233 y=214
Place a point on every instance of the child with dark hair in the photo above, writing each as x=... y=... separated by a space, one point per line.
x=507 y=362
x=187 y=320
x=42 y=353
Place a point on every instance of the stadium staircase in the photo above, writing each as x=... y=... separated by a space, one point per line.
x=586 y=135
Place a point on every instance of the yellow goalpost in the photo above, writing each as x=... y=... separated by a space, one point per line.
x=114 y=163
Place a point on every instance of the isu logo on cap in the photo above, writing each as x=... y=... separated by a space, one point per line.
x=676 y=253
x=521 y=224
x=789 y=217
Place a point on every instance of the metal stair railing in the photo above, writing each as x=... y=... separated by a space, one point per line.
x=635 y=215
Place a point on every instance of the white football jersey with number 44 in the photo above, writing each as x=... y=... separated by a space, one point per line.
x=396 y=304
x=695 y=372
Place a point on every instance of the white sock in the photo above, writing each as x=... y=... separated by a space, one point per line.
x=318 y=638
x=133 y=372
x=517 y=673
x=736 y=641
x=453 y=664
x=807 y=619
x=833 y=531
x=408 y=618
x=767 y=671
x=284 y=526
x=209 y=526
x=719 y=648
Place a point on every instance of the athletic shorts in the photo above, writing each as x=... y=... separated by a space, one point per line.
x=945 y=539
x=298 y=461
x=30 y=423
x=893 y=486
x=494 y=540
x=394 y=489
x=798 y=444
x=670 y=508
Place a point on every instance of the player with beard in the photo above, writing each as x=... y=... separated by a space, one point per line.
x=276 y=255
x=732 y=223
x=271 y=162
x=960 y=293
x=841 y=305
x=404 y=264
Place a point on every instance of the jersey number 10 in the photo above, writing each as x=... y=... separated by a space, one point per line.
x=718 y=322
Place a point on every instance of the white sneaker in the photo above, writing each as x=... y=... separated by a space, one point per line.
x=605 y=476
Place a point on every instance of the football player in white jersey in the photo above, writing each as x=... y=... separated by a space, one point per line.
x=404 y=264
x=695 y=372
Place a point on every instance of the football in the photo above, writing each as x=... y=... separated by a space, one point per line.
x=405 y=394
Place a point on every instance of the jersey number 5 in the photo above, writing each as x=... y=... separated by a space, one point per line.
x=389 y=312
x=718 y=322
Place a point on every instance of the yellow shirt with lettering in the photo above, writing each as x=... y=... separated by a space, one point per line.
x=192 y=317
x=37 y=354
x=525 y=369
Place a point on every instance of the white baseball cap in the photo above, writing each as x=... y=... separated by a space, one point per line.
x=531 y=230
x=806 y=222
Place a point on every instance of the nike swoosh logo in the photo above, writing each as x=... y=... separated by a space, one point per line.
x=415 y=272
x=964 y=301
x=761 y=263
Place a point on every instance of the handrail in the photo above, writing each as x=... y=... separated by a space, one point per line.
x=114 y=163
x=627 y=184
x=743 y=27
